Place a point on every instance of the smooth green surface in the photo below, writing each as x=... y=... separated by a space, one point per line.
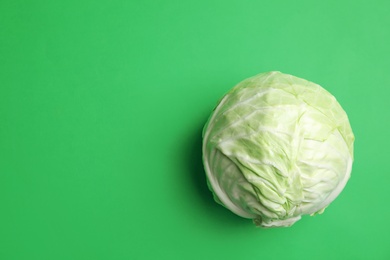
x=102 y=104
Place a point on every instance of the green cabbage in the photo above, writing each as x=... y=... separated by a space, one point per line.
x=277 y=147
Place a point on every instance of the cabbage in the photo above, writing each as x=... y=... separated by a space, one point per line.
x=277 y=147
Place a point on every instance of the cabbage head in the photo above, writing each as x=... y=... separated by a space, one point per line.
x=277 y=147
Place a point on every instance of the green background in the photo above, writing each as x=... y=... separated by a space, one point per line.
x=102 y=104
